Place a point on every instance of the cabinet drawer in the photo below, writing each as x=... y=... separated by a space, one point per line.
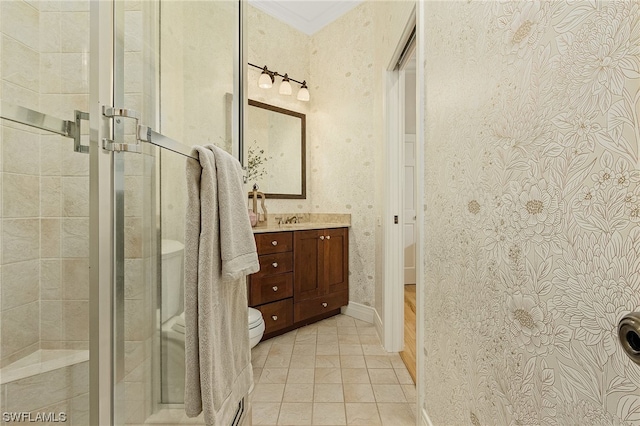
x=274 y=242
x=271 y=287
x=319 y=305
x=271 y=264
x=277 y=315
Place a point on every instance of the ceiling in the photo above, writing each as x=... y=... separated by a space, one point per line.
x=307 y=16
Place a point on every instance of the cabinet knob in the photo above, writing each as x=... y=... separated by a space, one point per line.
x=324 y=304
x=322 y=237
x=274 y=317
x=274 y=243
x=274 y=288
x=274 y=264
x=328 y=237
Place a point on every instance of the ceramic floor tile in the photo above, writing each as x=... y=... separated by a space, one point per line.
x=298 y=392
x=375 y=349
x=396 y=414
x=355 y=375
x=277 y=361
x=304 y=348
x=328 y=348
x=267 y=392
x=328 y=392
x=301 y=375
x=295 y=413
x=281 y=349
x=347 y=331
x=306 y=338
x=389 y=393
x=365 y=414
x=368 y=339
x=273 y=375
x=378 y=361
x=352 y=361
x=265 y=413
x=327 y=413
x=382 y=376
x=345 y=321
x=404 y=378
x=323 y=329
x=358 y=392
x=350 y=349
x=302 y=361
x=328 y=375
x=349 y=339
x=327 y=361
x=409 y=392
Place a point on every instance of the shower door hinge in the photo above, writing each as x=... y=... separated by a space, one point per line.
x=117 y=114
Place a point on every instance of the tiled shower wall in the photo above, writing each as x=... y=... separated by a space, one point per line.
x=44 y=183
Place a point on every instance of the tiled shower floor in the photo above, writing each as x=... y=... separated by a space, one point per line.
x=334 y=372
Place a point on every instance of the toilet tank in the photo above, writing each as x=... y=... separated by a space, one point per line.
x=172 y=276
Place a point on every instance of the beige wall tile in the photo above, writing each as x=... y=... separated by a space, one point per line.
x=75 y=193
x=20 y=64
x=20 y=284
x=75 y=278
x=50 y=279
x=75 y=237
x=21 y=240
x=19 y=95
x=74 y=72
x=20 y=196
x=20 y=328
x=50 y=196
x=19 y=148
x=21 y=21
x=50 y=31
x=74 y=35
x=50 y=238
x=51 y=155
x=51 y=321
x=50 y=73
x=75 y=315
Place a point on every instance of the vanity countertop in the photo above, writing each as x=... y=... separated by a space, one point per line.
x=306 y=221
x=297 y=227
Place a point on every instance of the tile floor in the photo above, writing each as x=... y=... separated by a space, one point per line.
x=334 y=372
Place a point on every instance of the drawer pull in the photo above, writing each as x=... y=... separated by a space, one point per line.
x=274 y=264
x=274 y=317
x=274 y=288
x=324 y=304
x=274 y=243
x=328 y=237
x=322 y=237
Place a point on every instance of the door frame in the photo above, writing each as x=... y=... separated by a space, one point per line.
x=393 y=223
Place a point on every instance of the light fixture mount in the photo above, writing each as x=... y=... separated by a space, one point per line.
x=268 y=77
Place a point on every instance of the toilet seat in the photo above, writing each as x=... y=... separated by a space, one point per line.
x=255 y=318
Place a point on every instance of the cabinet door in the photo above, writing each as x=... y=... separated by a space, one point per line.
x=308 y=272
x=336 y=259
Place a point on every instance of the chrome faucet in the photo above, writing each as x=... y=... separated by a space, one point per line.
x=292 y=219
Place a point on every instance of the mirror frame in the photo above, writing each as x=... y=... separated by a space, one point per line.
x=303 y=147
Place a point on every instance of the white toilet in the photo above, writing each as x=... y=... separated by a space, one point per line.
x=173 y=322
x=256 y=326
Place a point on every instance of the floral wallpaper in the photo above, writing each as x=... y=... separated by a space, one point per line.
x=532 y=205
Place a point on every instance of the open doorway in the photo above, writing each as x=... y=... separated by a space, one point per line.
x=407 y=70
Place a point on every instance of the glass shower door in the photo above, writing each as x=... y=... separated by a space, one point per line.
x=177 y=66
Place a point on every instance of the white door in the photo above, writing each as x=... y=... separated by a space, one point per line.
x=409 y=210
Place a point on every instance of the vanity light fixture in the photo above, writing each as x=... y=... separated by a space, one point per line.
x=285 y=86
x=268 y=77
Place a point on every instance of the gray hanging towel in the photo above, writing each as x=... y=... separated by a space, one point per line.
x=219 y=252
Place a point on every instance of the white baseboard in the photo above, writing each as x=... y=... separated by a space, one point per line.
x=359 y=311
x=426 y=421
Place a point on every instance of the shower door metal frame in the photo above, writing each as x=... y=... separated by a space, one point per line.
x=101 y=225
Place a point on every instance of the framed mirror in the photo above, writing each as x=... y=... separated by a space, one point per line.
x=275 y=150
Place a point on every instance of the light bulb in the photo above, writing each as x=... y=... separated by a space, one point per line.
x=265 y=81
x=285 y=86
x=303 y=94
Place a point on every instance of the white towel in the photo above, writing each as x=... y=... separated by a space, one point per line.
x=219 y=251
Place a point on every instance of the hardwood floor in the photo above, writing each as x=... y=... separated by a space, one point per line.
x=409 y=353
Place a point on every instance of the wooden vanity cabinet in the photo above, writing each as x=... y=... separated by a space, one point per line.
x=303 y=277
x=321 y=272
